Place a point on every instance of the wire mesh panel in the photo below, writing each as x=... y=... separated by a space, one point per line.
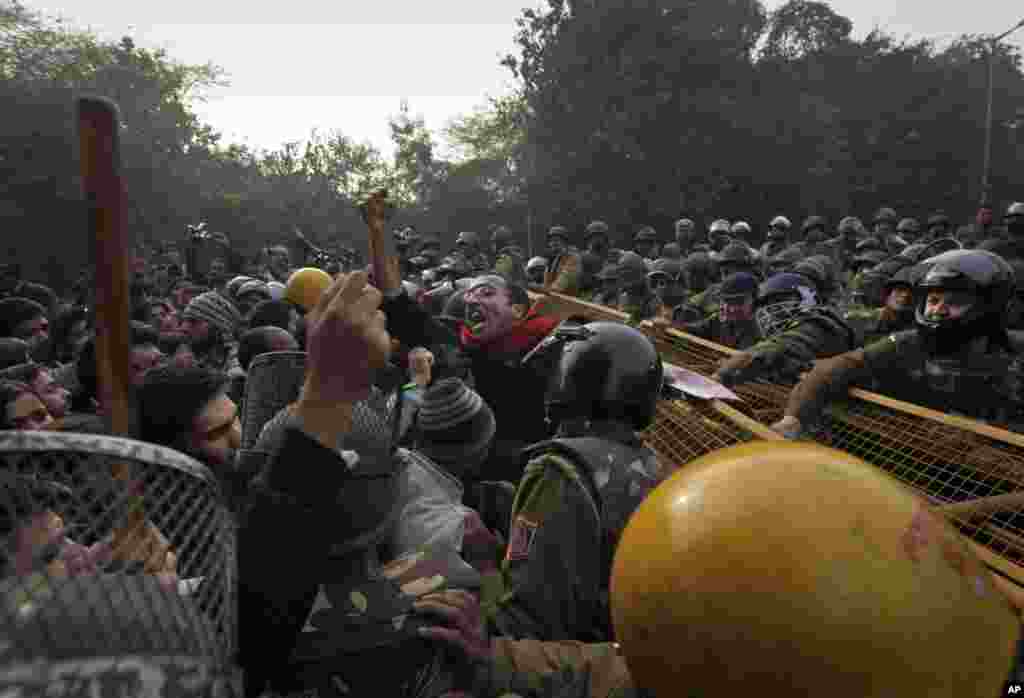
x=948 y=465
x=274 y=380
x=113 y=550
x=685 y=430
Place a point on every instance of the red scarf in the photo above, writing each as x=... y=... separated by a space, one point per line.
x=523 y=336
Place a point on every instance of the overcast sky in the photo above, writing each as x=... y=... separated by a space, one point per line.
x=307 y=64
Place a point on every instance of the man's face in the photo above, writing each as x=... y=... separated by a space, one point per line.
x=884 y=228
x=29 y=413
x=279 y=259
x=939 y=231
x=900 y=299
x=942 y=305
x=143 y=358
x=35 y=332
x=217 y=431
x=53 y=395
x=490 y=312
x=736 y=308
x=644 y=248
x=198 y=331
x=217 y=270
x=684 y=233
x=556 y=245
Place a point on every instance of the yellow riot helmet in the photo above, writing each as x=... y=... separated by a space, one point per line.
x=305 y=286
x=792 y=569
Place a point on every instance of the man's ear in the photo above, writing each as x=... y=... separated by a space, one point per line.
x=520 y=310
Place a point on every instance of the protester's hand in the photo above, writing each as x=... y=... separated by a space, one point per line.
x=463 y=628
x=346 y=340
x=421 y=362
x=377 y=210
x=789 y=427
x=480 y=548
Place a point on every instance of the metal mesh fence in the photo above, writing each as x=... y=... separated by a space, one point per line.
x=274 y=380
x=112 y=548
x=972 y=474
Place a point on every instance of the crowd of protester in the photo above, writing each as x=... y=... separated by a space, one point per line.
x=449 y=438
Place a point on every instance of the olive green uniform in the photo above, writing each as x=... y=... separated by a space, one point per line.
x=817 y=333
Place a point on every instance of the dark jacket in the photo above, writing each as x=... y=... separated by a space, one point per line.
x=283 y=539
x=514 y=393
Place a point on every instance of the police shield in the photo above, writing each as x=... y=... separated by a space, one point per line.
x=274 y=381
x=120 y=569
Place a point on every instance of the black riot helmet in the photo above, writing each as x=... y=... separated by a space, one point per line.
x=814 y=228
x=632 y=270
x=600 y=371
x=501 y=238
x=988 y=277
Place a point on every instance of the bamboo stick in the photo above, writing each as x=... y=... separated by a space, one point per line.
x=983 y=505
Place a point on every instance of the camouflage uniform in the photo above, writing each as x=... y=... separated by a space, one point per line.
x=817 y=333
x=569 y=511
x=532 y=669
x=639 y=307
x=708 y=301
x=872 y=324
x=738 y=335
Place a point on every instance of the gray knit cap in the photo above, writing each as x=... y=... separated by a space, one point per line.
x=216 y=310
x=454 y=422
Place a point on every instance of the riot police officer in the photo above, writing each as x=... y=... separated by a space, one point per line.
x=636 y=299
x=580 y=488
x=718 y=234
x=468 y=245
x=1011 y=245
x=959 y=358
x=686 y=234
x=796 y=330
x=566 y=266
x=645 y=241
x=536 y=269
x=777 y=237
x=596 y=239
x=939 y=226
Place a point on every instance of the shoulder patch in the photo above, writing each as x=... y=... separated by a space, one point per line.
x=520 y=539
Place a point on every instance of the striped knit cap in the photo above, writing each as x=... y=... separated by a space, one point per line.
x=216 y=310
x=454 y=422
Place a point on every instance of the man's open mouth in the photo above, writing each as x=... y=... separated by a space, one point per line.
x=475 y=318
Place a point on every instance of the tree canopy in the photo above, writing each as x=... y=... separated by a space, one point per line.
x=633 y=111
